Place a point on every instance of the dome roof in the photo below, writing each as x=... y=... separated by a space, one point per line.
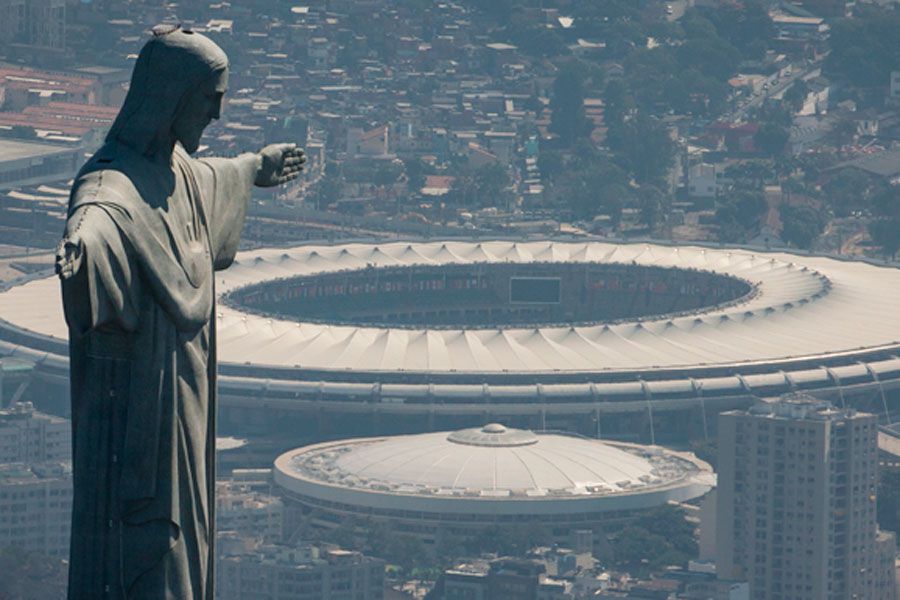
x=490 y=462
x=493 y=435
x=496 y=459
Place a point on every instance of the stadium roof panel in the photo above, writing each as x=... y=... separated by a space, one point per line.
x=494 y=465
x=805 y=306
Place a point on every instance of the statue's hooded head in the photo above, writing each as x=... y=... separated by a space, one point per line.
x=176 y=90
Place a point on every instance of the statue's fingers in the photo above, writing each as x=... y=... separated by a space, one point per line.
x=294 y=157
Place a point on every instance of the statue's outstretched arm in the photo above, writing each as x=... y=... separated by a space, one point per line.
x=279 y=164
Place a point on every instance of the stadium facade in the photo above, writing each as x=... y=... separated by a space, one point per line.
x=457 y=483
x=642 y=341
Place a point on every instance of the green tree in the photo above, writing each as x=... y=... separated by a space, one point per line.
x=416 y=170
x=885 y=233
x=849 y=190
x=801 y=225
x=328 y=189
x=669 y=521
x=404 y=550
x=568 y=119
x=536 y=40
x=463 y=191
x=551 y=164
x=713 y=57
x=600 y=188
x=654 y=206
x=491 y=184
x=746 y=25
x=644 y=147
x=697 y=26
x=28 y=576
x=512 y=540
x=749 y=175
x=771 y=138
x=864 y=49
x=796 y=95
x=739 y=214
x=344 y=535
x=658 y=539
x=378 y=172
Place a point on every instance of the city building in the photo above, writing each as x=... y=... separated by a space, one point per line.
x=501 y=579
x=883 y=166
x=27 y=163
x=797 y=480
x=29 y=436
x=34 y=24
x=301 y=573
x=247 y=512
x=456 y=483
x=794 y=28
x=36 y=507
x=63 y=123
x=706 y=180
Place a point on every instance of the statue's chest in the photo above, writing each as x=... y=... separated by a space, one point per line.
x=188 y=234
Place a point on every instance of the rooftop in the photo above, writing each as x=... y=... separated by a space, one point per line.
x=21 y=473
x=803 y=407
x=883 y=164
x=11 y=150
x=808 y=307
x=491 y=462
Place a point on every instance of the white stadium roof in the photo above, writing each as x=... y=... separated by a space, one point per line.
x=805 y=306
x=470 y=469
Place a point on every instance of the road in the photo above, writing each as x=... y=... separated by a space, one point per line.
x=776 y=86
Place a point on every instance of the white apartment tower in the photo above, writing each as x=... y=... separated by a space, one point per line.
x=30 y=436
x=795 y=518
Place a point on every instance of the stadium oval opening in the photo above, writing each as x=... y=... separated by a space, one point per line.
x=490 y=295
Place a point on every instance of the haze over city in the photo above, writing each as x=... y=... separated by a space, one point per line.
x=449 y=300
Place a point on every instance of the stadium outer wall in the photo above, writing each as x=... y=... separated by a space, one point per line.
x=649 y=403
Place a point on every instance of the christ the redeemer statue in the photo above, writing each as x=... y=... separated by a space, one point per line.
x=147 y=227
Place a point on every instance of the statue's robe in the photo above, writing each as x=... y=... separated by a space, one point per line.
x=140 y=310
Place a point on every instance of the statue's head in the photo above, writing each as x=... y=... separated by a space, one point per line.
x=176 y=90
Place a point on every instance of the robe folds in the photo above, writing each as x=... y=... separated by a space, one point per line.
x=140 y=309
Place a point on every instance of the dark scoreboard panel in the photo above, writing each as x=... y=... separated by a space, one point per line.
x=534 y=290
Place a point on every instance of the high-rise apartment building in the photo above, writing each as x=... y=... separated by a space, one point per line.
x=796 y=503
x=34 y=23
x=501 y=579
x=28 y=436
x=36 y=507
x=248 y=512
x=298 y=573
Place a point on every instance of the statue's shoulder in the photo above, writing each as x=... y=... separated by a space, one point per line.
x=108 y=177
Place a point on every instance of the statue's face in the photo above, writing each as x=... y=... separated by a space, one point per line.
x=201 y=105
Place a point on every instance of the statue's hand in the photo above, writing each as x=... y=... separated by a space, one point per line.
x=68 y=257
x=279 y=164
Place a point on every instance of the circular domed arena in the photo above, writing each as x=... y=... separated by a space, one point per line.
x=640 y=341
x=462 y=481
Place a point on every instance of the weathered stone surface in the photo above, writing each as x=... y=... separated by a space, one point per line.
x=147 y=227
